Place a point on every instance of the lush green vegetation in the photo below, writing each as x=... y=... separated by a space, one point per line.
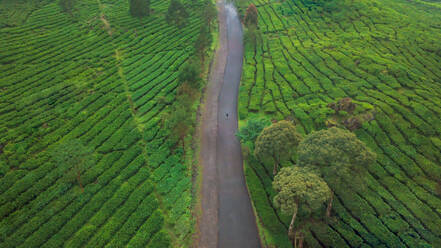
x=87 y=154
x=301 y=63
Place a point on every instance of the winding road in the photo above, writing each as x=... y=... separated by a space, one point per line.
x=227 y=218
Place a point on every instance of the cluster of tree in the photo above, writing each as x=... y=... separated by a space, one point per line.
x=179 y=117
x=139 y=8
x=205 y=38
x=325 y=159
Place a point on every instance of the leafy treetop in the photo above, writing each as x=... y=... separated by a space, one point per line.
x=190 y=74
x=176 y=14
x=338 y=155
x=332 y=147
x=297 y=186
x=67 y=5
x=276 y=143
x=249 y=133
x=251 y=16
x=139 y=8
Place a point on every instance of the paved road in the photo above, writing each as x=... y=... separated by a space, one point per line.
x=227 y=217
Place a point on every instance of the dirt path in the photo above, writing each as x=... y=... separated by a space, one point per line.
x=227 y=217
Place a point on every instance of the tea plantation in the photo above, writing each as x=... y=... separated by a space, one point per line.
x=104 y=78
x=385 y=56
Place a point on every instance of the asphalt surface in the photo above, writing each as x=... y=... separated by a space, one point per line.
x=227 y=217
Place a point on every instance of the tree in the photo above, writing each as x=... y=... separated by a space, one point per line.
x=176 y=14
x=299 y=188
x=139 y=8
x=251 y=16
x=203 y=41
x=250 y=37
x=209 y=13
x=180 y=122
x=276 y=143
x=249 y=133
x=73 y=158
x=335 y=150
x=178 y=117
x=67 y=5
x=338 y=155
x=190 y=74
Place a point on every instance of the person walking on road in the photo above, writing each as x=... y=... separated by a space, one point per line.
x=226 y=114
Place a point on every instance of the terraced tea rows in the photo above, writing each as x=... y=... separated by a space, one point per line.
x=386 y=56
x=104 y=78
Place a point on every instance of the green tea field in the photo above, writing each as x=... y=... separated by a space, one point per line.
x=114 y=132
x=103 y=78
x=386 y=57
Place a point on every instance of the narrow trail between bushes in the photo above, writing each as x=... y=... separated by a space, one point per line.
x=227 y=218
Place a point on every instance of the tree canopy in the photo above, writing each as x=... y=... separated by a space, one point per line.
x=67 y=5
x=203 y=41
x=176 y=14
x=209 y=12
x=277 y=143
x=190 y=74
x=249 y=133
x=251 y=16
x=299 y=187
x=139 y=8
x=334 y=151
x=338 y=155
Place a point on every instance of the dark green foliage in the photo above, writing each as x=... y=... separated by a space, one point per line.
x=139 y=8
x=299 y=187
x=203 y=41
x=209 y=13
x=299 y=190
x=250 y=36
x=336 y=152
x=67 y=5
x=251 y=16
x=276 y=143
x=179 y=120
x=248 y=134
x=190 y=74
x=177 y=14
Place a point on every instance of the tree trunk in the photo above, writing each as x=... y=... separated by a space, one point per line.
x=328 y=209
x=276 y=165
x=291 y=225
x=301 y=240
x=275 y=168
